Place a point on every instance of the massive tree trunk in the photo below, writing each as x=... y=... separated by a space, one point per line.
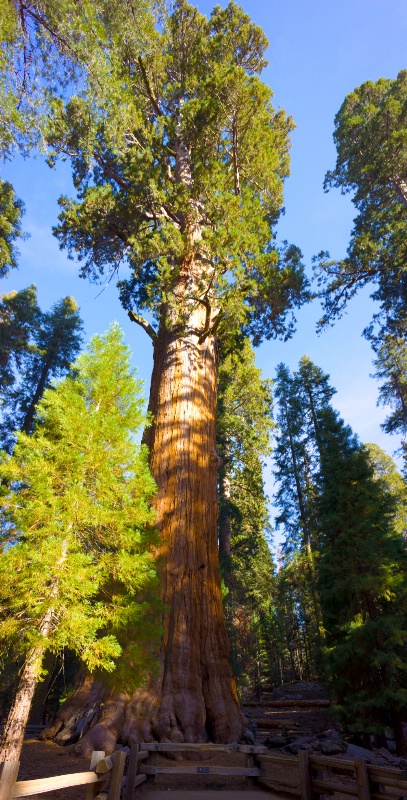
x=194 y=696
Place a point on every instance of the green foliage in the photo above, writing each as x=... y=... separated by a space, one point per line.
x=371 y=139
x=19 y=317
x=11 y=211
x=77 y=530
x=243 y=441
x=48 y=47
x=40 y=346
x=342 y=586
x=194 y=143
x=362 y=580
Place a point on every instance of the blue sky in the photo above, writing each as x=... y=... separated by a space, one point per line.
x=319 y=51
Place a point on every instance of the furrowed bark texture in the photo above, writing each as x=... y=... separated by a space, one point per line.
x=198 y=694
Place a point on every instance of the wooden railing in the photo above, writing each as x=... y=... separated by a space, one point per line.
x=105 y=780
x=310 y=776
x=307 y=777
x=249 y=771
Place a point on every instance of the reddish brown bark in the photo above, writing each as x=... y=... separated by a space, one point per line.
x=198 y=689
x=194 y=696
x=12 y=738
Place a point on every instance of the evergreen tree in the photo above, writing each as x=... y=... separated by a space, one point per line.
x=11 y=211
x=182 y=177
x=19 y=317
x=244 y=426
x=48 y=47
x=41 y=346
x=391 y=366
x=297 y=456
x=362 y=569
x=372 y=153
x=76 y=531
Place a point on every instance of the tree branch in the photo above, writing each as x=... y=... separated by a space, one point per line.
x=143 y=324
x=153 y=100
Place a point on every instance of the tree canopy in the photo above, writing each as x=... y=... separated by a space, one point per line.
x=371 y=139
x=197 y=146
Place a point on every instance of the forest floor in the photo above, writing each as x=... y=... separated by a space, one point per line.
x=45 y=759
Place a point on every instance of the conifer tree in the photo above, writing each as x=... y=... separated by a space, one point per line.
x=362 y=571
x=182 y=177
x=77 y=562
x=19 y=317
x=244 y=425
x=371 y=162
x=297 y=457
x=391 y=367
x=11 y=211
x=40 y=346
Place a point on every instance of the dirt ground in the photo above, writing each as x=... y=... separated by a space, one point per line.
x=43 y=759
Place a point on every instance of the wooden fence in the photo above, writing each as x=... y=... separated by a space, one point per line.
x=113 y=777
x=307 y=777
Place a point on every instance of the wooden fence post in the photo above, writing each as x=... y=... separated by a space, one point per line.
x=115 y=785
x=304 y=775
x=249 y=762
x=152 y=761
x=362 y=780
x=132 y=771
x=92 y=790
x=8 y=777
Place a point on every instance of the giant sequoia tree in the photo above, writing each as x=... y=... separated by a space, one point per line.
x=370 y=135
x=183 y=179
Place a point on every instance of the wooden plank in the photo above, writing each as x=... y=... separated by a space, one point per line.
x=146 y=769
x=8 y=777
x=374 y=770
x=289 y=704
x=383 y=795
x=329 y=761
x=285 y=760
x=41 y=785
x=93 y=791
x=304 y=775
x=209 y=794
x=104 y=765
x=159 y=747
x=362 y=779
x=288 y=781
x=390 y=783
x=322 y=787
x=140 y=779
x=249 y=764
x=132 y=771
x=152 y=762
x=115 y=784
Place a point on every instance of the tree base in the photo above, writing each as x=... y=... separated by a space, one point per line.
x=94 y=718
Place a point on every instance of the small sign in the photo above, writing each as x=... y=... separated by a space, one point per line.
x=203 y=769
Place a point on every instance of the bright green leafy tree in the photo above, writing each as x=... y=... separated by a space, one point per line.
x=77 y=529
